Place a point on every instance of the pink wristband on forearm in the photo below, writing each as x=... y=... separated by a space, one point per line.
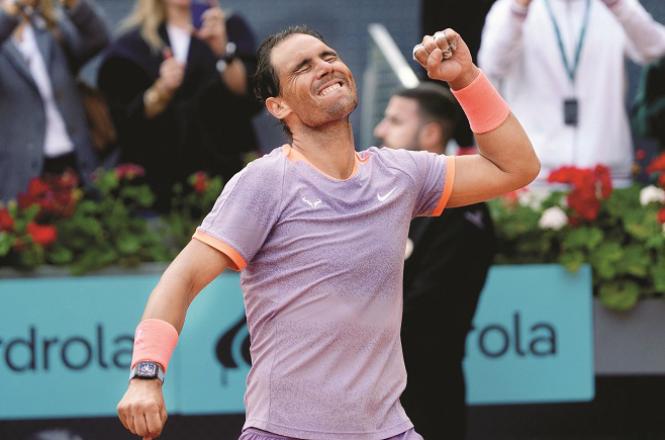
x=482 y=104
x=155 y=341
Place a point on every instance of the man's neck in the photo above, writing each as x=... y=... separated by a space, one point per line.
x=330 y=148
x=179 y=16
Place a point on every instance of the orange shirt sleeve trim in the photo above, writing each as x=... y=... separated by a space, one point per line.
x=238 y=261
x=447 y=187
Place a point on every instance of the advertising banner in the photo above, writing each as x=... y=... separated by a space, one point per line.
x=65 y=343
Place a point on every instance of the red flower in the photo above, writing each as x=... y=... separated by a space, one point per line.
x=54 y=195
x=603 y=175
x=661 y=215
x=561 y=175
x=200 y=182
x=129 y=171
x=6 y=220
x=589 y=186
x=661 y=180
x=640 y=154
x=36 y=189
x=67 y=181
x=657 y=165
x=43 y=235
x=584 y=203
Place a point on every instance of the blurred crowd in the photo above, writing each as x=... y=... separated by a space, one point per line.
x=173 y=92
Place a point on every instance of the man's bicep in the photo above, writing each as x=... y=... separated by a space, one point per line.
x=477 y=179
x=204 y=262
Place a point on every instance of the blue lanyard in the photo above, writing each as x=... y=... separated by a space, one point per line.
x=571 y=70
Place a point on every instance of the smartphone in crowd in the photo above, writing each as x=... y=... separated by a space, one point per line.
x=198 y=7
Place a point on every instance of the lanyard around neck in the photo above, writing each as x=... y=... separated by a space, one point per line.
x=571 y=70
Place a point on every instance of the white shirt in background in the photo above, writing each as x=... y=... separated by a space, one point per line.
x=56 y=141
x=180 y=40
x=520 y=53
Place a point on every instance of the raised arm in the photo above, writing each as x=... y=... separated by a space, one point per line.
x=502 y=44
x=142 y=410
x=646 y=37
x=85 y=34
x=506 y=159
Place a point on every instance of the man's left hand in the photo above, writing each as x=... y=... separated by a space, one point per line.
x=213 y=30
x=446 y=57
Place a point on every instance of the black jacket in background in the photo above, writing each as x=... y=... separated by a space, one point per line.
x=205 y=126
x=443 y=279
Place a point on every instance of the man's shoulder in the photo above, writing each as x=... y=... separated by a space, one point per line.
x=266 y=168
x=389 y=156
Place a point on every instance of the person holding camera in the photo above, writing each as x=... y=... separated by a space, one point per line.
x=177 y=84
x=561 y=65
x=43 y=126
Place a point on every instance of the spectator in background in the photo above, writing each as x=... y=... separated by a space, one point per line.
x=179 y=96
x=43 y=126
x=560 y=65
x=444 y=272
x=649 y=117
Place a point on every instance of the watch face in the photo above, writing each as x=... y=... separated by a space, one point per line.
x=147 y=369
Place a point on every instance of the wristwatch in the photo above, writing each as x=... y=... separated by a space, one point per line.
x=147 y=370
x=227 y=58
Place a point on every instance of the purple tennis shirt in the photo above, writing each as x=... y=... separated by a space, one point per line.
x=322 y=261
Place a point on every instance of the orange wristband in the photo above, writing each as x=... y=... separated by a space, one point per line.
x=155 y=341
x=482 y=104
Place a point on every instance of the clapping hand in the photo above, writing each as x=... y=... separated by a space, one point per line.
x=213 y=30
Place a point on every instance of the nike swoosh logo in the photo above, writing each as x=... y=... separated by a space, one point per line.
x=385 y=196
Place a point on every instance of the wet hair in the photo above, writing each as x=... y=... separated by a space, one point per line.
x=266 y=81
x=435 y=104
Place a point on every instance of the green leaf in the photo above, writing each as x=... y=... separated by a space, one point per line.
x=605 y=258
x=658 y=275
x=572 y=261
x=128 y=244
x=619 y=295
x=583 y=238
x=31 y=256
x=107 y=181
x=60 y=255
x=6 y=242
x=641 y=223
x=635 y=261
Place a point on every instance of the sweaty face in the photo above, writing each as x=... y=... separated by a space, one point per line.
x=314 y=82
x=401 y=124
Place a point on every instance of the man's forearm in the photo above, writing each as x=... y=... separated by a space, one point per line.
x=170 y=299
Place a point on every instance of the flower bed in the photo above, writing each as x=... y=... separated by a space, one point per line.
x=57 y=223
x=620 y=232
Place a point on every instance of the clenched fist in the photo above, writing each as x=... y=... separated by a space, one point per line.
x=446 y=57
x=142 y=409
